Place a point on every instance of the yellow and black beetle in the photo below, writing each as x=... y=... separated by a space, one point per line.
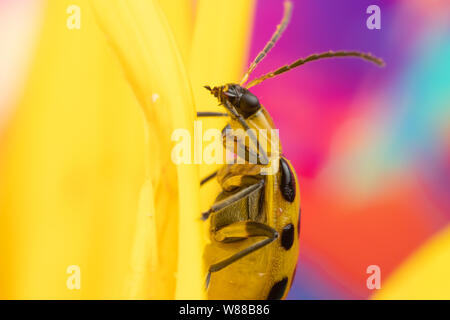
x=256 y=217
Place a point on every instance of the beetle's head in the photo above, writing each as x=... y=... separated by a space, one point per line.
x=245 y=102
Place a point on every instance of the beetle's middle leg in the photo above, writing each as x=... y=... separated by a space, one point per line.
x=234 y=145
x=237 y=146
x=208 y=114
x=232 y=199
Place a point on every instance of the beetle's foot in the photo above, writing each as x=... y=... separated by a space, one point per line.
x=208 y=279
x=205 y=215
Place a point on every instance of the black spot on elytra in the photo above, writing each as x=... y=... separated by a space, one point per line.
x=278 y=289
x=298 y=223
x=287 y=183
x=287 y=236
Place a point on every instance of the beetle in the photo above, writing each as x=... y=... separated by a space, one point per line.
x=255 y=220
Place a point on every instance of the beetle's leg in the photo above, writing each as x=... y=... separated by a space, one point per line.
x=242 y=149
x=261 y=152
x=242 y=229
x=211 y=176
x=231 y=142
x=212 y=114
x=232 y=199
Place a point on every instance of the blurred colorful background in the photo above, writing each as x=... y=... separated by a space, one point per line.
x=371 y=147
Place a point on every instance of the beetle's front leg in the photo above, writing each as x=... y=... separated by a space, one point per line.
x=234 y=144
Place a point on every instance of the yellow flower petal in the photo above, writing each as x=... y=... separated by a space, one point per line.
x=71 y=168
x=143 y=42
x=424 y=275
x=180 y=15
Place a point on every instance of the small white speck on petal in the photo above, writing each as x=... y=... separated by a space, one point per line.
x=155 y=97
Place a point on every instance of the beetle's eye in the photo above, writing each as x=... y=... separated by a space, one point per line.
x=249 y=104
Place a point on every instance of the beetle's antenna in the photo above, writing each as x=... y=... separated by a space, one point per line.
x=280 y=28
x=330 y=54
